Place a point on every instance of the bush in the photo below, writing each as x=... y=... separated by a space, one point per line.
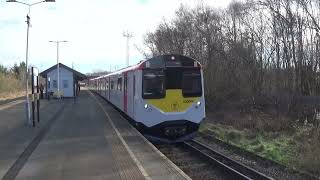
x=309 y=151
x=9 y=83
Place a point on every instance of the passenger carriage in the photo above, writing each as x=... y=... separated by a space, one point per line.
x=163 y=96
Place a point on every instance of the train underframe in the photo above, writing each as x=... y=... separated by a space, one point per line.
x=169 y=131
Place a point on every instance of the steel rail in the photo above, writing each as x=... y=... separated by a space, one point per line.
x=236 y=168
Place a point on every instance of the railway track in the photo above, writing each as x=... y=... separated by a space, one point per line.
x=260 y=164
x=238 y=170
x=201 y=162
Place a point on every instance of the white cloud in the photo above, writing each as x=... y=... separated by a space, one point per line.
x=93 y=28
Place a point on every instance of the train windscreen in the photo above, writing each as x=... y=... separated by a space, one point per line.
x=191 y=83
x=187 y=79
x=153 y=84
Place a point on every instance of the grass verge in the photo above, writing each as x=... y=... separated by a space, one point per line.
x=299 y=150
x=10 y=87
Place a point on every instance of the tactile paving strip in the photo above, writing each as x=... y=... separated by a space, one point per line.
x=155 y=165
x=127 y=167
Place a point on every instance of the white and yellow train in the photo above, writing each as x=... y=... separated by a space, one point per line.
x=162 y=96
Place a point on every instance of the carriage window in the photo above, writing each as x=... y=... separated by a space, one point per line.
x=112 y=85
x=153 y=84
x=119 y=85
x=191 y=83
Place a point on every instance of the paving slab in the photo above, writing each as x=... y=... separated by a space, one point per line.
x=154 y=163
x=87 y=140
x=80 y=145
x=15 y=135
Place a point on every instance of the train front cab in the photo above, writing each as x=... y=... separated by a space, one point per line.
x=172 y=103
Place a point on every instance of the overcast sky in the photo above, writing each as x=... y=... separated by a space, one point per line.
x=94 y=29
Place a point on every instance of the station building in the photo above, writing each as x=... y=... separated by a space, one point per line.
x=68 y=81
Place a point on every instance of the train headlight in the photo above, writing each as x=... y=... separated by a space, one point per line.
x=146 y=106
x=198 y=104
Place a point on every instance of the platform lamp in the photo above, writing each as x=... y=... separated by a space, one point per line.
x=27 y=51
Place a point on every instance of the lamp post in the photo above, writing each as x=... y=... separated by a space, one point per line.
x=27 y=51
x=58 y=72
x=128 y=36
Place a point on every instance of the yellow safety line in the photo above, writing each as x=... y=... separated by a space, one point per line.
x=142 y=170
x=160 y=153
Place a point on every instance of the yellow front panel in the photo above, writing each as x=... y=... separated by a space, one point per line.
x=173 y=102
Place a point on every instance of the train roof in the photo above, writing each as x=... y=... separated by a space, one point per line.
x=129 y=68
x=169 y=60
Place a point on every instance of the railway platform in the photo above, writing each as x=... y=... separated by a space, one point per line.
x=15 y=135
x=82 y=139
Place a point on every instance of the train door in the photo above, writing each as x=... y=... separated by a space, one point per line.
x=125 y=92
x=109 y=88
x=133 y=94
x=130 y=94
x=99 y=86
x=105 y=87
x=100 y=82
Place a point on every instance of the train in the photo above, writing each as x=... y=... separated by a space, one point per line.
x=163 y=97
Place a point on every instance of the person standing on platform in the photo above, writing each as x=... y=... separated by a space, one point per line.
x=41 y=91
x=78 y=88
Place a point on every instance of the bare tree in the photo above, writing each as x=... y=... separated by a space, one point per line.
x=251 y=49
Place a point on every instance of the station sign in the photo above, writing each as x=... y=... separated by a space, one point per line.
x=35 y=94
